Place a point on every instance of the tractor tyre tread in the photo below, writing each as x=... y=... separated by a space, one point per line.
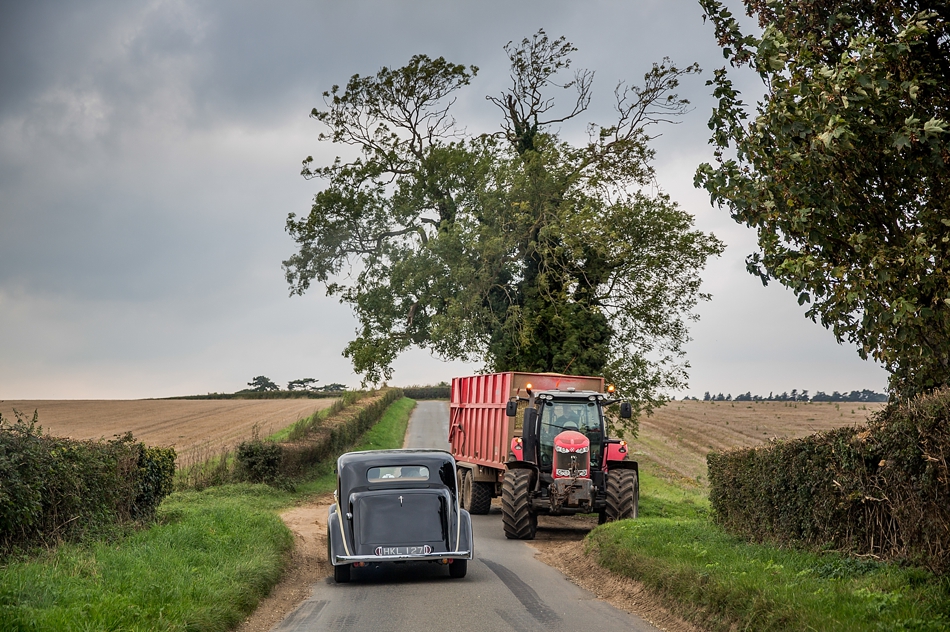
x=480 y=498
x=519 y=521
x=623 y=495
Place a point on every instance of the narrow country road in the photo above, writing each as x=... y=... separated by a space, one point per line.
x=506 y=587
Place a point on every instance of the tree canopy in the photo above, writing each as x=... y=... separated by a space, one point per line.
x=261 y=384
x=843 y=169
x=303 y=384
x=516 y=248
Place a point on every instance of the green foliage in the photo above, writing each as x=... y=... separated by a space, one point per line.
x=325 y=442
x=204 y=566
x=518 y=248
x=879 y=491
x=843 y=169
x=259 y=461
x=155 y=476
x=721 y=583
x=261 y=384
x=303 y=384
x=53 y=488
x=704 y=574
x=390 y=432
x=442 y=391
x=305 y=446
x=211 y=557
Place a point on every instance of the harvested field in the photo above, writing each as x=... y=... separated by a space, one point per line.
x=679 y=435
x=192 y=427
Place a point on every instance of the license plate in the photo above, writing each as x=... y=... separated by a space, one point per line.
x=404 y=550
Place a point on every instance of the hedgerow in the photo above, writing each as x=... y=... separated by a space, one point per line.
x=882 y=490
x=266 y=462
x=54 y=488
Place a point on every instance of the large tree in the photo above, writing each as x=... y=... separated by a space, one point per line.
x=843 y=170
x=517 y=248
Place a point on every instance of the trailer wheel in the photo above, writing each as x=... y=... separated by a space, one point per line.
x=519 y=521
x=623 y=495
x=458 y=568
x=480 y=497
x=465 y=489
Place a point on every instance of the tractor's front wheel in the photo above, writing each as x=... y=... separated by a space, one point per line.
x=623 y=495
x=520 y=522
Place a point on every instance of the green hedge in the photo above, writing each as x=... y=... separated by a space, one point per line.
x=260 y=461
x=53 y=488
x=443 y=391
x=883 y=490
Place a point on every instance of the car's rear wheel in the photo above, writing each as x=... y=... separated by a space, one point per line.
x=341 y=573
x=458 y=568
x=519 y=521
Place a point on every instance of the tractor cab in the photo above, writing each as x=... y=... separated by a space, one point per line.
x=575 y=415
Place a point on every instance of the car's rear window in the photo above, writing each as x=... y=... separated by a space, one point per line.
x=397 y=472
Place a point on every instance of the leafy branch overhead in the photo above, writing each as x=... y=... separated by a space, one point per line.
x=516 y=248
x=844 y=169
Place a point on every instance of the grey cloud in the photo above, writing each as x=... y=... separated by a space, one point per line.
x=149 y=155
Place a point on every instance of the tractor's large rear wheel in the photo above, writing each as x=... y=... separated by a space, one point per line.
x=520 y=522
x=623 y=495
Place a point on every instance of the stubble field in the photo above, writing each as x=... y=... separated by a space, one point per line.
x=679 y=435
x=192 y=427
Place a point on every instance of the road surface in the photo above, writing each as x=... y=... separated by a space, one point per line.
x=505 y=589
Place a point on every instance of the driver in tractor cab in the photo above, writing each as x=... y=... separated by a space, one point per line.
x=553 y=423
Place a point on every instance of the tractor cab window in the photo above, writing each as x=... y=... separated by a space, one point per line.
x=556 y=417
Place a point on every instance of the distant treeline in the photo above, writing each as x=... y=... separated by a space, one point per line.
x=798 y=396
x=265 y=395
x=439 y=391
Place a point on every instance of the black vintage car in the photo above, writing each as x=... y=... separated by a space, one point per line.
x=397 y=506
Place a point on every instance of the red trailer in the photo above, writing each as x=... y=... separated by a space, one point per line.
x=481 y=434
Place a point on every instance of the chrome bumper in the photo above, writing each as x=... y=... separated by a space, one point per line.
x=431 y=557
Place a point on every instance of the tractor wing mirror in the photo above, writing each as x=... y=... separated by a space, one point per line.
x=626 y=410
x=511 y=410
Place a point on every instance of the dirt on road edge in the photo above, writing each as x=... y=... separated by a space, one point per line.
x=308 y=565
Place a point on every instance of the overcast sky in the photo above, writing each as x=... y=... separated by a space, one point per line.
x=150 y=153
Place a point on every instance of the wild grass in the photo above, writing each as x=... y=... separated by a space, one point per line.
x=204 y=565
x=723 y=583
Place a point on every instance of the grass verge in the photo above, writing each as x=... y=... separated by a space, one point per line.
x=720 y=582
x=208 y=560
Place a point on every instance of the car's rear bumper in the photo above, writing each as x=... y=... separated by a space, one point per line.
x=430 y=557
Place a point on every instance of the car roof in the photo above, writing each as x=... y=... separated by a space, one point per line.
x=352 y=466
x=394 y=457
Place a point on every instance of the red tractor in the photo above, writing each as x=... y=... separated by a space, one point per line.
x=563 y=463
